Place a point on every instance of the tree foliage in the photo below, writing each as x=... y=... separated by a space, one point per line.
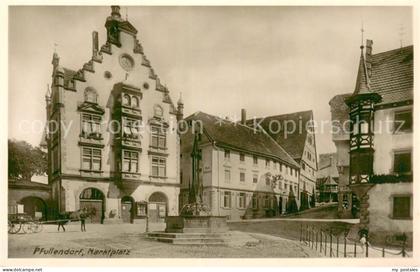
x=26 y=160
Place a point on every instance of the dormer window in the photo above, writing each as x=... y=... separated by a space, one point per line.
x=135 y=102
x=91 y=95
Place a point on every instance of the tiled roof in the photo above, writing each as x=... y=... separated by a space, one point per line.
x=292 y=141
x=235 y=135
x=327 y=169
x=392 y=74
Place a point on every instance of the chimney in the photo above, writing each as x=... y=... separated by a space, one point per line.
x=369 y=44
x=243 y=116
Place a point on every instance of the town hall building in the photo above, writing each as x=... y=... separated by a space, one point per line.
x=112 y=141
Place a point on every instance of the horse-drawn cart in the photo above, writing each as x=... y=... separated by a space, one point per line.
x=22 y=222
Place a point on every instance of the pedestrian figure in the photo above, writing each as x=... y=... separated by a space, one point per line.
x=62 y=220
x=83 y=215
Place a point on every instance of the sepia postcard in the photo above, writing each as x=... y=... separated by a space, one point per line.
x=278 y=133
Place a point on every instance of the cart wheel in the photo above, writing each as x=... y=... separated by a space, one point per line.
x=14 y=227
x=28 y=227
x=37 y=227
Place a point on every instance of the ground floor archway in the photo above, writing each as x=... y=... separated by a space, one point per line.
x=158 y=207
x=93 y=200
x=34 y=207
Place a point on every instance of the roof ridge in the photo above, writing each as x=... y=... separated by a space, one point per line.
x=389 y=51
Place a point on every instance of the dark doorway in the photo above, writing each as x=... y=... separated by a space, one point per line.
x=35 y=207
x=127 y=210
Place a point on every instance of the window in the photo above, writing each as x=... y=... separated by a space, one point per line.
x=280 y=185
x=135 y=102
x=403 y=121
x=310 y=139
x=227 y=199
x=91 y=159
x=91 y=124
x=90 y=95
x=402 y=162
x=126 y=100
x=364 y=127
x=158 y=137
x=267 y=163
x=266 y=202
x=254 y=202
x=227 y=176
x=303 y=166
x=290 y=171
x=130 y=161
x=267 y=181
x=158 y=111
x=296 y=173
x=285 y=186
x=242 y=157
x=131 y=128
x=242 y=200
x=255 y=160
x=401 y=207
x=227 y=154
x=158 y=167
x=281 y=167
x=242 y=177
x=255 y=178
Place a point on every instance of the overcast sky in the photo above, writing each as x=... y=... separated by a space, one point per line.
x=269 y=60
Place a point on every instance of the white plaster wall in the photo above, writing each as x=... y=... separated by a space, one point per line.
x=386 y=141
x=380 y=207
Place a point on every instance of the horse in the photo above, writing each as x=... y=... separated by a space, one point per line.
x=65 y=217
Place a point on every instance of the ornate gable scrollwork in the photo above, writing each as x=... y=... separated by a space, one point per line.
x=80 y=75
x=88 y=66
x=106 y=48
x=138 y=48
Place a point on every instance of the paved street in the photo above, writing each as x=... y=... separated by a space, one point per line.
x=99 y=240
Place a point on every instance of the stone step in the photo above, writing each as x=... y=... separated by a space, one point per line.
x=192 y=241
x=196 y=230
x=186 y=235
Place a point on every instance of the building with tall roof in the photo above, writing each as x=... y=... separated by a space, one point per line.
x=112 y=141
x=245 y=173
x=327 y=178
x=295 y=133
x=380 y=141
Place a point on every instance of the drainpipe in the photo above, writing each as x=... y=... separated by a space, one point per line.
x=218 y=179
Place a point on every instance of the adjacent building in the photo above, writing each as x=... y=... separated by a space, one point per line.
x=245 y=173
x=327 y=178
x=295 y=133
x=112 y=141
x=381 y=141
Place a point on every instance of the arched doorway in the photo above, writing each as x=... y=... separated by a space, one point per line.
x=93 y=200
x=158 y=205
x=35 y=207
x=127 y=209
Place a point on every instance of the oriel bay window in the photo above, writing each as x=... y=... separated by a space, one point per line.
x=130 y=161
x=158 y=137
x=91 y=125
x=131 y=128
x=158 y=166
x=91 y=159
